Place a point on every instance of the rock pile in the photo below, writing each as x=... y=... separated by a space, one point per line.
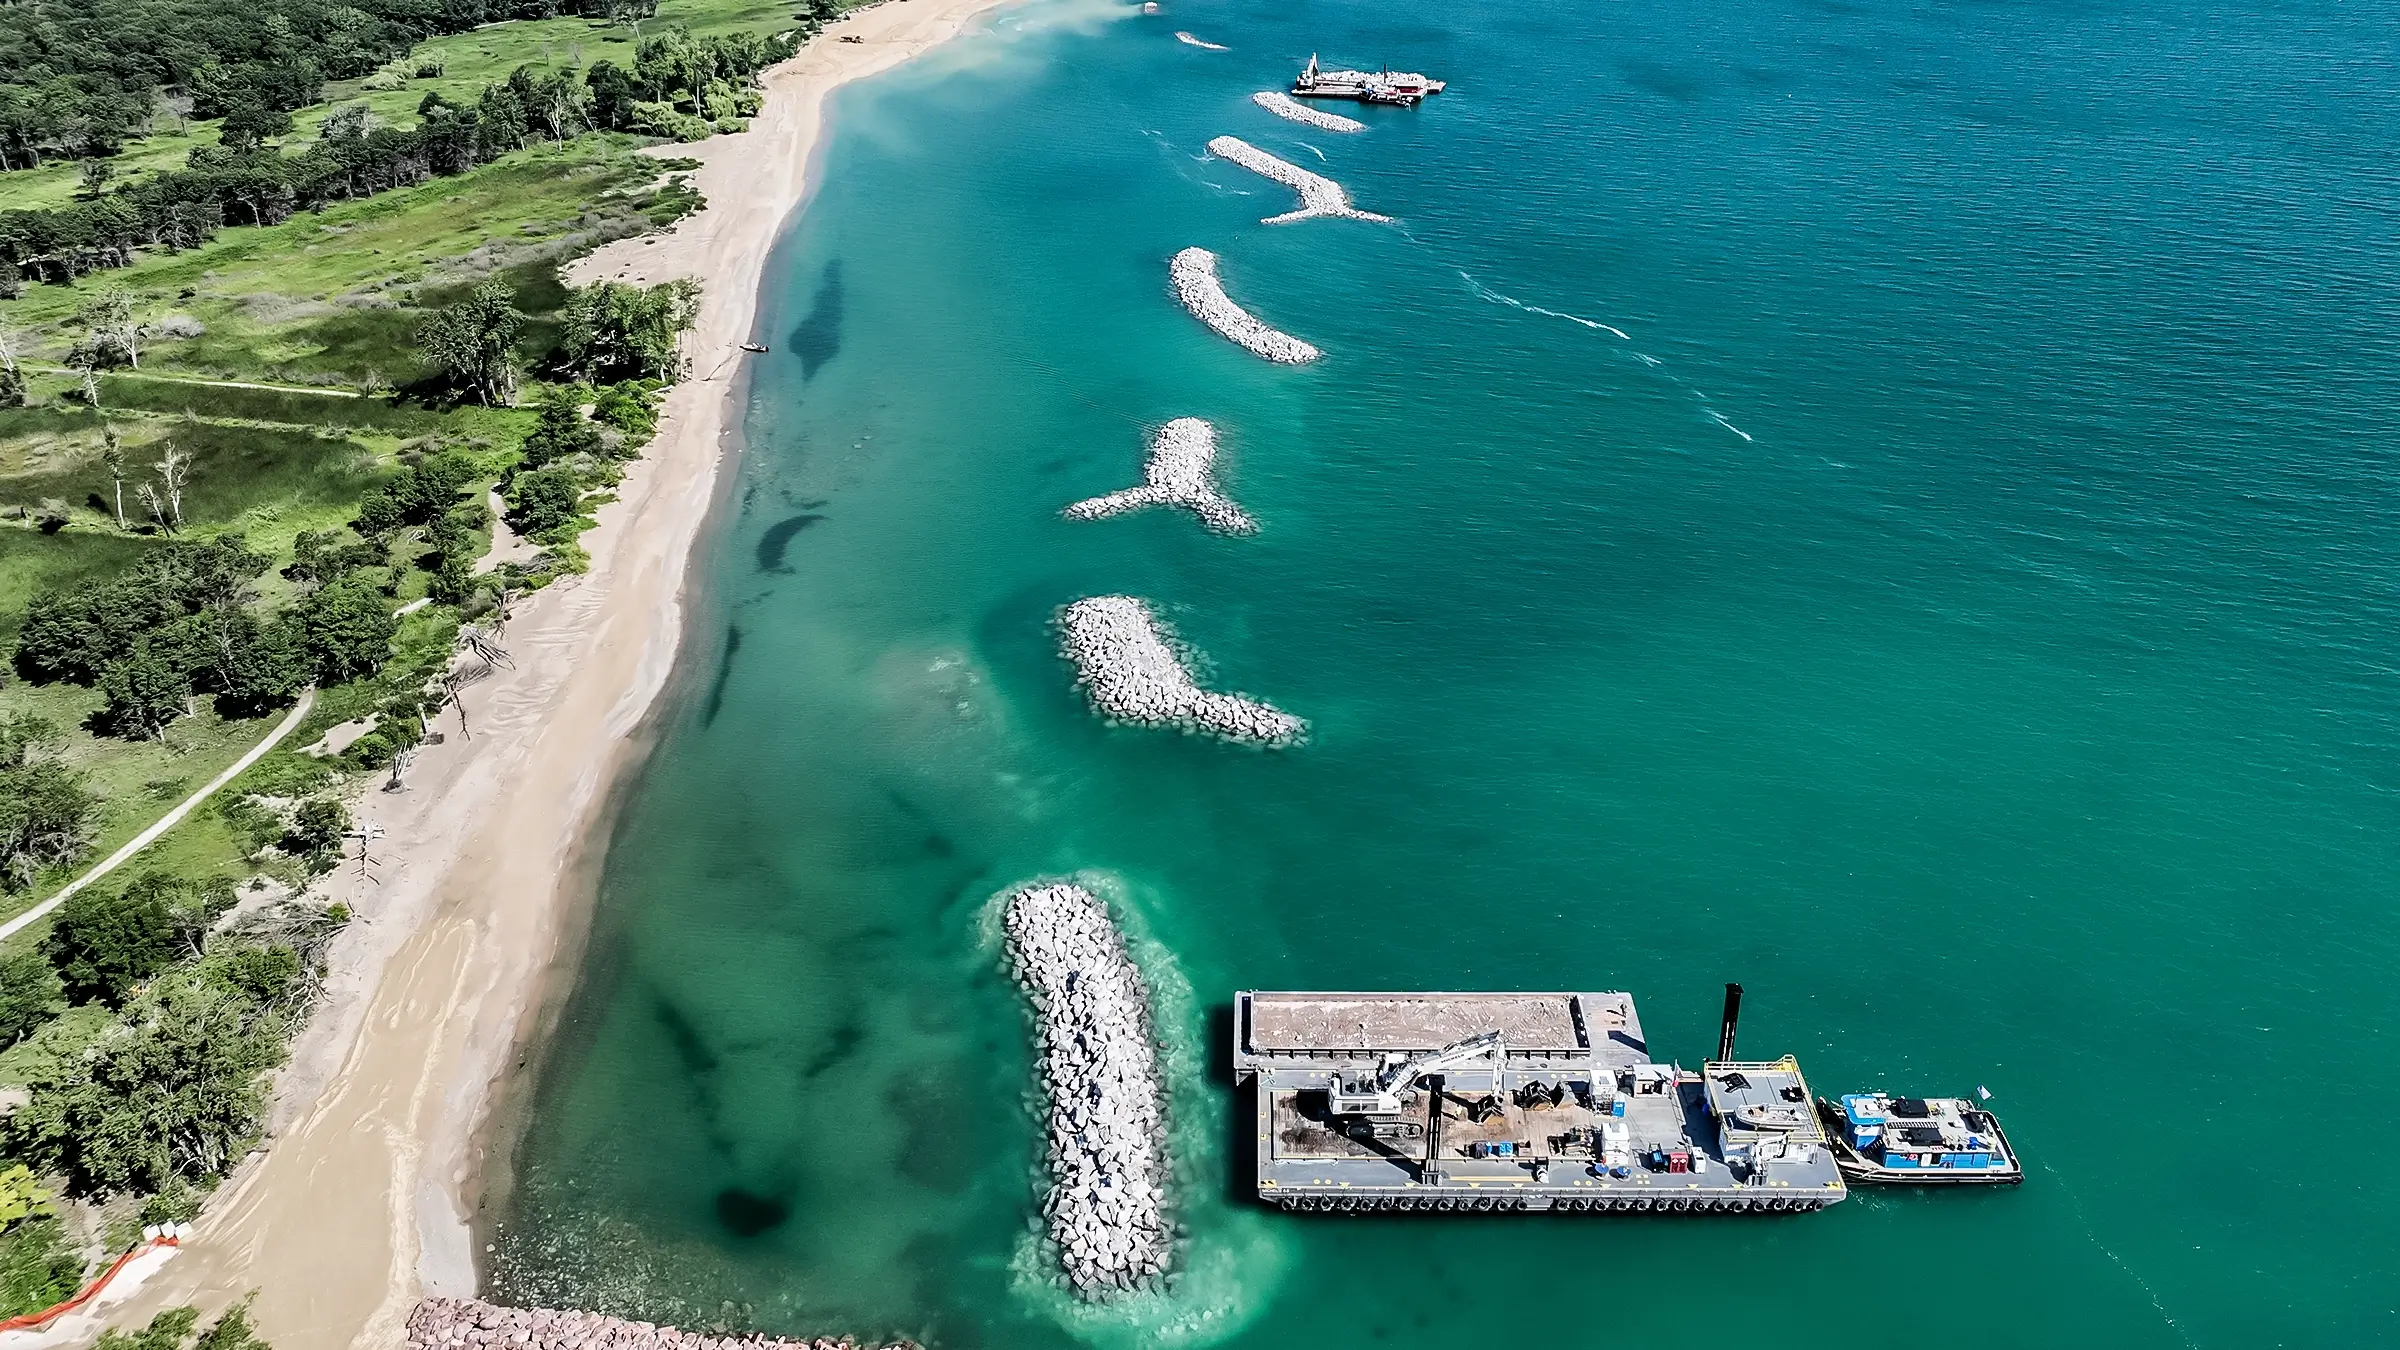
x=1319 y=195
x=1181 y=472
x=1194 y=272
x=443 y=1323
x=1107 y=1201
x=1284 y=105
x=1126 y=666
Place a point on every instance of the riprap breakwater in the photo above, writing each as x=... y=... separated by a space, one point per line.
x=445 y=1323
x=1125 y=665
x=1194 y=273
x=1181 y=472
x=1106 y=1209
x=1319 y=195
x=1284 y=105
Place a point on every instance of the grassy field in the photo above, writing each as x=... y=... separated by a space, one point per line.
x=333 y=298
x=469 y=61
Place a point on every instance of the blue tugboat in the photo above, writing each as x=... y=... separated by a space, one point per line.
x=1880 y=1140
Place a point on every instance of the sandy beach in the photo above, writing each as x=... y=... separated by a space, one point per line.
x=357 y=1208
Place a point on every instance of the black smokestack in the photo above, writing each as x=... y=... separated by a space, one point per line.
x=1733 y=1014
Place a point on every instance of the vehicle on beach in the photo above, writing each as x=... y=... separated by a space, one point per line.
x=1881 y=1140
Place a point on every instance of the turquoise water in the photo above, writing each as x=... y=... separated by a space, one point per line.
x=1963 y=607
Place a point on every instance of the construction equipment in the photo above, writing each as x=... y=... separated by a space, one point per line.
x=1376 y=1095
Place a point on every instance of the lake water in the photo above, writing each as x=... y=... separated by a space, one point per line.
x=1889 y=504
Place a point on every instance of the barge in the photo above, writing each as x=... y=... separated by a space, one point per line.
x=1401 y=88
x=1517 y=1102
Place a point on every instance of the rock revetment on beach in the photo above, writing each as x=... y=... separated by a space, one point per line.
x=1284 y=105
x=1194 y=272
x=1181 y=472
x=1319 y=195
x=443 y=1323
x=1124 y=664
x=1099 y=1071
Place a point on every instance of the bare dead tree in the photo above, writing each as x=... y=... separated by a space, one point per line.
x=400 y=761
x=114 y=458
x=174 y=472
x=157 y=508
x=366 y=835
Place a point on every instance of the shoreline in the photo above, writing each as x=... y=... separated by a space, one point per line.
x=360 y=1203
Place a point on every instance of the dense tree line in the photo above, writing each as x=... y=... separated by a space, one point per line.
x=182 y=623
x=79 y=78
x=679 y=87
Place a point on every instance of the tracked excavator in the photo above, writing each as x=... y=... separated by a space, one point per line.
x=1368 y=1105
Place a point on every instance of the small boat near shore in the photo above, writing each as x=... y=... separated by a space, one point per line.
x=759 y=347
x=1881 y=1140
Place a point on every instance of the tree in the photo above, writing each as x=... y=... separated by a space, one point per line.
x=29 y=990
x=454 y=582
x=143 y=694
x=543 y=500
x=12 y=380
x=113 y=459
x=613 y=331
x=260 y=665
x=174 y=1097
x=560 y=434
x=21 y=1194
x=94 y=176
x=114 y=333
x=105 y=943
x=45 y=810
x=473 y=343
x=347 y=629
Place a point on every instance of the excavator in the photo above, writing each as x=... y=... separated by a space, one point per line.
x=1368 y=1105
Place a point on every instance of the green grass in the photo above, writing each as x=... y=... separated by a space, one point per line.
x=140 y=781
x=334 y=298
x=31 y=561
x=469 y=61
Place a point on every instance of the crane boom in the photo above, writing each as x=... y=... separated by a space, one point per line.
x=1378 y=1093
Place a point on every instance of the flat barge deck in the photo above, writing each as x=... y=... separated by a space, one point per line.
x=1519 y=1102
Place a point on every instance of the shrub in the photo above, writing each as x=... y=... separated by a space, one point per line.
x=30 y=991
x=544 y=500
x=37 y=1267
x=317 y=827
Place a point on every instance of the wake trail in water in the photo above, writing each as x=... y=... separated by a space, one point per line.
x=1513 y=302
x=1315 y=151
x=1720 y=417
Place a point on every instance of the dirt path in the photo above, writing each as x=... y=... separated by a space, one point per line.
x=308 y=700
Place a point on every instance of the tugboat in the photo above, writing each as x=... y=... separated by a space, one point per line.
x=1880 y=1140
